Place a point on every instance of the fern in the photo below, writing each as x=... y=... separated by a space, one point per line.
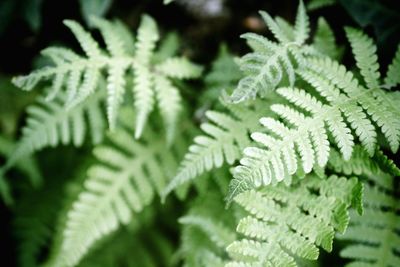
x=207 y=231
x=392 y=78
x=302 y=144
x=49 y=124
x=265 y=67
x=374 y=237
x=287 y=221
x=126 y=179
x=27 y=166
x=80 y=75
x=226 y=137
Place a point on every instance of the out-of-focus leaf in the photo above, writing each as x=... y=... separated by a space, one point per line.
x=6 y=10
x=97 y=8
x=31 y=12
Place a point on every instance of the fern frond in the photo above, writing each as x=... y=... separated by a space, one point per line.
x=286 y=221
x=300 y=143
x=392 y=78
x=49 y=125
x=126 y=179
x=364 y=51
x=374 y=236
x=81 y=75
x=225 y=137
x=266 y=67
x=207 y=231
x=324 y=40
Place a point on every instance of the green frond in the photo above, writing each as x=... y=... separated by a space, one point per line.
x=317 y=4
x=273 y=62
x=49 y=125
x=300 y=143
x=179 y=68
x=223 y=76
x=286 y=221
x=374 y=237
x=364 y=51
x=207 y=231
x=26 y=165
x=324 y=40
x=80 y=76
x=127 y=178
x=392 y=78
x=225 y=138
x=302 y=25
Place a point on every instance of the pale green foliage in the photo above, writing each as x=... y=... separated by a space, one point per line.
x=392 y=78
x=266 y=67
x=27 y=166
x=285 y=221
x=226 y=137
x=127 y=178
x=324 y=40
x=207 y=231
x=49 y=125
x=374 y=236
x=301 y=142
x=80 y=75
x=317 y=4
x=223 y=76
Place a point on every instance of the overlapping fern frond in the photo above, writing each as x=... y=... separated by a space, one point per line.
x=206 y=231
x=271 y=62
x=373 y=239
x=126 y=179
x=49 y=124
x=27 y=166
x=80 y=75
x=226 y=137
x=300 y=142
x=284 y=222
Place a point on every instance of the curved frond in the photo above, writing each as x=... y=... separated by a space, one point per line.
x=79 y=76
x=364 y=51
x=374 y=236
x=344 y=109
x=49 y=125
x=272 y=62
x=127 y=178
x=284 y=222
x=392 y=78
x=225 y=137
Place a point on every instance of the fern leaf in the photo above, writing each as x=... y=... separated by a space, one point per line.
x=392 y=78
x=49 y=125
x=126 y=179
x=374 y=236
x=264 y=68
x=81 y=76
x=207 y=231
x=307 y=135
x=302 y=25
x=284 y=222
x=179 y=68
x=324 y=40
x=226 y=137
x=364 y=51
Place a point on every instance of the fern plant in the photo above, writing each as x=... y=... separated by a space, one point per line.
x=272 y=62
x=278 y=226
x=290 y=158
x=126 y=179
x=344 y=109
x=80 y=75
